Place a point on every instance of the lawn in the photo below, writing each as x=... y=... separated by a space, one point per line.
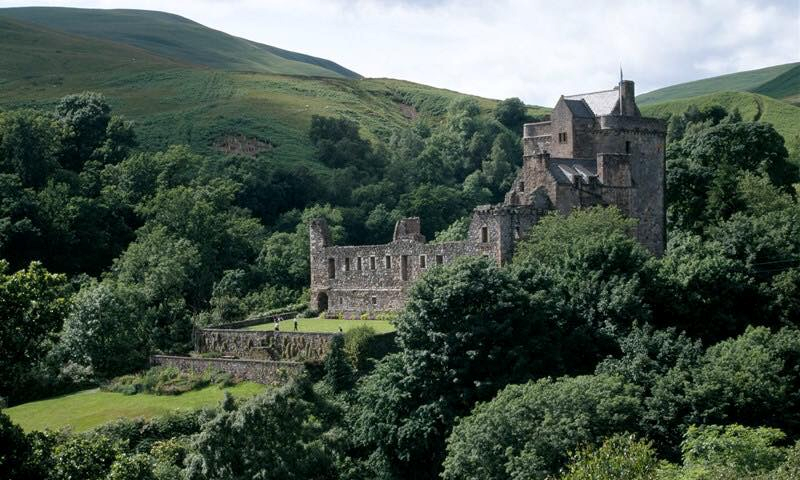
x=319 y=325
x=90 y=408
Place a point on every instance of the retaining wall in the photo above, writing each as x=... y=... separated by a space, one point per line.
x=260 y=371
x=263 y=345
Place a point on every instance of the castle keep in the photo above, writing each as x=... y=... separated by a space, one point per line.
x=596 y=149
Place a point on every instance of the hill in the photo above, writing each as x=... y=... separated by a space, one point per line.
x=780 y=82
x=753 y=106
x=179 y=39
x=212 y=110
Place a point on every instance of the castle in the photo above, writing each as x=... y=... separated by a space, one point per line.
x=596 y=149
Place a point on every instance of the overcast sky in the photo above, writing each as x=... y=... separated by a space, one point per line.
x=534 y=49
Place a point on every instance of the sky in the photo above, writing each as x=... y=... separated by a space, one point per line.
x=534 y=49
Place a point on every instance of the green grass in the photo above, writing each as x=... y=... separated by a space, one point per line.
x=318 y=325
x=90 y=408
x=780 y=81
x=177 y=38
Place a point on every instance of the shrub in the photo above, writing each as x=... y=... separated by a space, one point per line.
x=167 y=381
x=357 y=346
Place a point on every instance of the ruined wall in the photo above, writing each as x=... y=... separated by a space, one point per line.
x=534 y=135
x=263 y=345
x=265 y=372
x=363 y=281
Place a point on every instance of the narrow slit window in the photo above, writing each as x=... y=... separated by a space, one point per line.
x=347 y=264
x=372 y=263
x=358 y=263
x=423 y=261
x=331 y=268
x=388 y=262
x=484 y=234
x=627 y=146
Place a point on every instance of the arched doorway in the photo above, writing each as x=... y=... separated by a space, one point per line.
x=322 y=301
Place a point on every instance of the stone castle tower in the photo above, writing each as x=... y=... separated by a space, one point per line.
x=596 y=149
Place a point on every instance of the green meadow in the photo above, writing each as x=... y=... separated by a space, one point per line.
x=90 y=408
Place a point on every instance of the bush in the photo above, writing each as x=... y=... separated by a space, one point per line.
x=167 y=381
x=620 y=457
x=357 y=344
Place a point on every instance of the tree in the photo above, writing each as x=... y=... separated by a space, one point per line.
x=133 y=467
x=749 y=450
x=512 y=113
x=273 y=436
x=88 y=456
x=602 y=281
x=338 y=372
x=105 y=331
x=527 y=430
x=619 y=457
x=467 y=331
x=87 y=116
x=753 y=379
x=33 y=304
x=29 y=143
x=15 y=459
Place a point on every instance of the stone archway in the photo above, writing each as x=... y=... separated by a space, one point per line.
x=322 y=301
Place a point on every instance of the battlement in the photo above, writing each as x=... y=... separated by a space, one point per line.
x=634 y=124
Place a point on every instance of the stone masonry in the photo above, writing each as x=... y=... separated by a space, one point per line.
x=596 y=149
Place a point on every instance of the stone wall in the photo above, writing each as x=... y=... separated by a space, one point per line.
x=263 y=345
x=266 y=372
x=371 y=279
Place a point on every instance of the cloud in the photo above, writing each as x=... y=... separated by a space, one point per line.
x=535 y=50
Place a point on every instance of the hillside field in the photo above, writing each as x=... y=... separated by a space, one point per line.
x=783 y=116
x=87 y=409
x=174 y=103
x=780 y=82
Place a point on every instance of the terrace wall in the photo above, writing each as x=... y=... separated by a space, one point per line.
x=260 y=371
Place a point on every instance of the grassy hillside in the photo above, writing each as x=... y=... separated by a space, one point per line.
x=90 y=408
x=174 y=102
x=752 y=106
x=780 y=81
x=178 y=38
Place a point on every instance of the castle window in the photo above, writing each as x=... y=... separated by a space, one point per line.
x=331 y=268
x=484 y=234
x=404 y=267
x=374 y=300
x=439 y=259
x=562 y=137
x=423 y=261
x=627 y=146
x=388 y=262
x=341 y=301
x=346 y=264
x=358 y=263
x=372 y=263
x=521 y=186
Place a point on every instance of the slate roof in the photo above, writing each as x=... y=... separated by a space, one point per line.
x=579 y=108
x=564 y=170
x=601 y=103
